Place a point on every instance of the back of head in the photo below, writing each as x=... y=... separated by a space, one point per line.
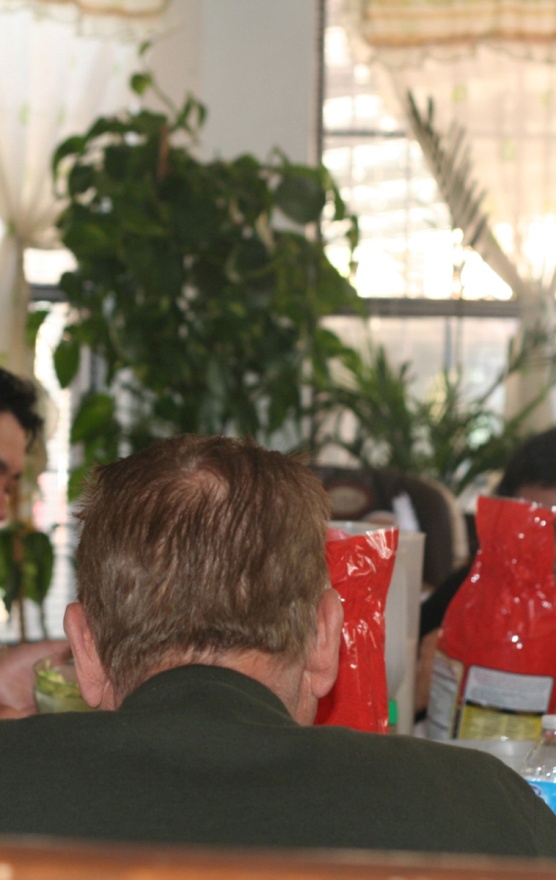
x=532 y=464
x=19 y=397
x=198 y=546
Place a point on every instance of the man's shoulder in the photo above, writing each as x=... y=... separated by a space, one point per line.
x=433 y=769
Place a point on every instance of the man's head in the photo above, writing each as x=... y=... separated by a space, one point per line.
x=19 y=426
x=198 y=549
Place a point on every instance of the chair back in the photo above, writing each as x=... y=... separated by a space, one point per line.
x=24 y=858
x=357 y=492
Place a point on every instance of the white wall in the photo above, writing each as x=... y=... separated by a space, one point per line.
x=177 y=56
x=253 y=63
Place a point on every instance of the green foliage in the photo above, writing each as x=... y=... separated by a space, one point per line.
x=26 y=566
x=199 y=285
x=66 y=360
x=32 y=327
x=446 y=436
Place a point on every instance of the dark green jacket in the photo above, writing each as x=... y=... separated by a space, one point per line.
x=207 y=756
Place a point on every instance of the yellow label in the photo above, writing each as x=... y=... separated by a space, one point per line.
x=480 y=722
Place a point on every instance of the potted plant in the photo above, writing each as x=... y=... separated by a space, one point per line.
x=446 y=435
x=199 y=285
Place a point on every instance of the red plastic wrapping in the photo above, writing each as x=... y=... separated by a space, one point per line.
x=360 y=568
x=496 y=654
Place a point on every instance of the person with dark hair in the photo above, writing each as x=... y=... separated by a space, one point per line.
x=531 y=471
x=19 y=397
x=204 y=633
x=531 y=475
x=20 y=426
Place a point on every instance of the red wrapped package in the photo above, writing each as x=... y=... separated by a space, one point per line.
x=495 y=663
x=360 y=568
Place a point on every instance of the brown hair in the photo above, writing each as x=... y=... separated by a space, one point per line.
x=200 y=545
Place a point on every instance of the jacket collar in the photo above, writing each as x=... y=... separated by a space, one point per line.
x=178 y=686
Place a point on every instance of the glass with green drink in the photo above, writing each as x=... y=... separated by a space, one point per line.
x=56 y=687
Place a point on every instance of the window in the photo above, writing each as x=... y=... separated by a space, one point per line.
x=428 y=302
x=407 y=247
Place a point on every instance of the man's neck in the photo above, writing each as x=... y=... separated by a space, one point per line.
x=288 y=681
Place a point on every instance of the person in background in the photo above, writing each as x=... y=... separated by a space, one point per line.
x=204 y=634
x=20 y=427
x=531 y=475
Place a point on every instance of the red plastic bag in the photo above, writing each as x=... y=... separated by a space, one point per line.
x=360 y=568
x=495 y=664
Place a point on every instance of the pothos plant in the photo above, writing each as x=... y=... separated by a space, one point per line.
x=198 y=285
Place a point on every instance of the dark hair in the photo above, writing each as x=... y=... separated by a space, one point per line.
x=200 y=545
x=532 y=464
x=19 y=397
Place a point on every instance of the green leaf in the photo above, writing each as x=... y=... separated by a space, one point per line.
x=38 y=565
x=90 y=239
x=329 y=344
x=13 y=586
x=70 y=284
x=148 y=123
x=140 y=82
x=95 y=415
x=80 y=179
x=6 y=556
x=11 y=573
x=33 y=325
x=282 y=401
x=113 y=125
x=138 y=222
x=117 y=161
x=300 y=194
x=66 y=361
x=77 y=480
x=192 y=110
x=72 y=146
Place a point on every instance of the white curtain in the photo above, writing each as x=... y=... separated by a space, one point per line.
x=490 y=66
x=59 y=69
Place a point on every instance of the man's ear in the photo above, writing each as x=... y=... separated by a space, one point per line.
x=94 y=684
x=322 y=661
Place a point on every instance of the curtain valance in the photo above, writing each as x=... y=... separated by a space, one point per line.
x=121 y=19
x=408 y=30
